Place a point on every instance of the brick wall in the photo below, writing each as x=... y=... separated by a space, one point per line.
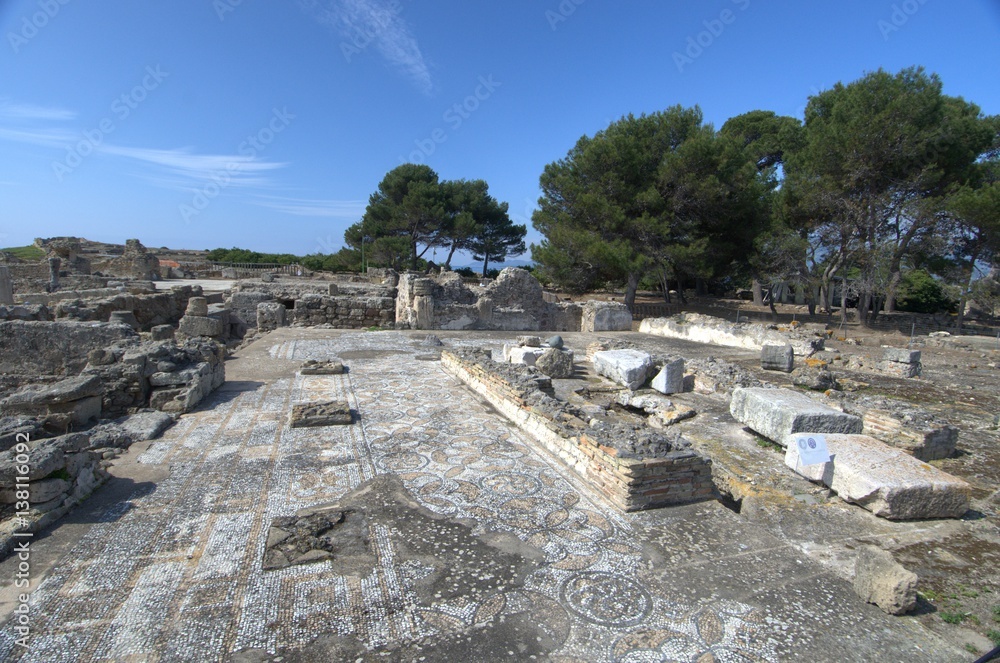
x=631 y=484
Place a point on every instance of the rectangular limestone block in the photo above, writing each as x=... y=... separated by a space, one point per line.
x=899 y=369
x=902 y=355
x=630 y=368
x=884 y=480
x=777 y=413
x=777 y=358
x=605 y=316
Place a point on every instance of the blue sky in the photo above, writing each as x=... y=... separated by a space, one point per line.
x=266 y=125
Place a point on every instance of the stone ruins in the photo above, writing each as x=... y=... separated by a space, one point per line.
x=290 y=466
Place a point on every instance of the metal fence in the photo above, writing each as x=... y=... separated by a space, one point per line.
x=251 y=269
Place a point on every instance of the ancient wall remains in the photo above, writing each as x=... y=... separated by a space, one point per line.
x=632 y=484
x=513 y=302
x=751 y=336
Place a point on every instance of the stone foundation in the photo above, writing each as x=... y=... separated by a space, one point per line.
x=716 y=331
x=631 y=484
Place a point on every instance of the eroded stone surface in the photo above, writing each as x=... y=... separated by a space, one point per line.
x=329 y=367
x=777 y=413
x=879 y=579
x=884 y=480
x=629 y=368
x=332 y=413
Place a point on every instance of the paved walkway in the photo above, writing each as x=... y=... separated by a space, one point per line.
x=500 y=554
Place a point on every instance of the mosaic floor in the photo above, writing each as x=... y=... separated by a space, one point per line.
x=174 y=573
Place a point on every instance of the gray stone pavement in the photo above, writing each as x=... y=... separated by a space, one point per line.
x=489 y=549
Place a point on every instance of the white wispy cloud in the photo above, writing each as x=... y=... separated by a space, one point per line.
x=182 y=168
x=376 y=22
x=43 y=137
x=346 y=209
x=18 y=111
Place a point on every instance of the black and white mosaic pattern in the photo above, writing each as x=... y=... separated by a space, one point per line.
x=174 y=573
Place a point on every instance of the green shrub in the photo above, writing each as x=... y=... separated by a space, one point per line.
x=919 y=292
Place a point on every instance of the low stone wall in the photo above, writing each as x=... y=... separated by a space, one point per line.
x=54 y=348
x=631 y=484
x=716 y=331
x=162 y=308
x=36 y=312
x=169 y=376
x=343 y=311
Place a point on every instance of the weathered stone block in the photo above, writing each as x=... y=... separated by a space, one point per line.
x=333 y=413
x=670 y=379
x=313 y=367
x=161 y=332
x=899 y=369
x=605 y=316
x=630 y=368
x=902 y=355
x=529 y=341
x=777 y=413
x=777 y=358
x=879 y=579
x=6 y=287
x=556 y=363
x=886 y=481
x=197 y=306
x=196 y=326
x=124 y=318
x=526 y=356
x=554 y=342
x=64 y=391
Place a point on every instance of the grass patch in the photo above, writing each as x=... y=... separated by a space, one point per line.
x=60 y=474
x=928 y=595
x=765 y=443
x=954 y=617
x=31 y=253
x=971 y=648
x=994 y=635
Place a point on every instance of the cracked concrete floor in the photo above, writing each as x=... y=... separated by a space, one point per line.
x=499 y=554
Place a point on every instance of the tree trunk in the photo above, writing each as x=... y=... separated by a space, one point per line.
x=447 y=263
x=680 y=289
x=699 y=287
x=843 y=301
x=864 y=306
x=630 y=289
x=486 y=264
x=758 y=293
x=665 y=284
x=770 y=303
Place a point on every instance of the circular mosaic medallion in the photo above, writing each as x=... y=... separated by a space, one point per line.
x=402 y=461
x=511 y=484
x=606 y=598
